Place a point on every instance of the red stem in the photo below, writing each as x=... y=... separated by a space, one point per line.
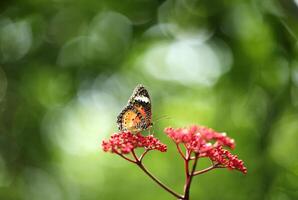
x=138 y=162
x=189 y=176
x=135 y=156
x=180 y=152
x=158 y=181
x=143 y=154
x=128 y=159
x=207 y=169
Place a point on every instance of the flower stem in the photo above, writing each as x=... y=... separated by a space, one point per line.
x=139 y=163
x=158 y=181
x=189 y=176
x=143 y=154
x=180 y=151
x=135 y=156
x=128 y=159
x=207 y=169
x=204 y=170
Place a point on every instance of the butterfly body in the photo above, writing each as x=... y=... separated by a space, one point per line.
x=136 y=116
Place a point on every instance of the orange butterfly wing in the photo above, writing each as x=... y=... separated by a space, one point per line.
x=136 y=116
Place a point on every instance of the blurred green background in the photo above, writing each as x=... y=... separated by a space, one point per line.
x=67 y=69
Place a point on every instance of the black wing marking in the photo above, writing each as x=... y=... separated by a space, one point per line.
x=140 y=94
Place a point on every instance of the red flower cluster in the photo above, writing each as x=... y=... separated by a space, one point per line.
x=226 y=159
x=126 y=142
x=198 y=139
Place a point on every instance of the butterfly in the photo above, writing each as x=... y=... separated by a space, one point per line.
x=136 y=115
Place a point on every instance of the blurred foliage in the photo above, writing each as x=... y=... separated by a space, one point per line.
x=68 y=67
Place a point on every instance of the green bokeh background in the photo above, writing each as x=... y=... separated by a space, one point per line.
x=68 y=67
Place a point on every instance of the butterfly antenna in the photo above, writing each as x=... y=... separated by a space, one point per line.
x=161 y=118
x=151 y=130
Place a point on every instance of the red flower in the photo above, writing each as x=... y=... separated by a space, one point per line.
x=224 y=158
x=206 y=142
x=125 y=142
x=197 y=138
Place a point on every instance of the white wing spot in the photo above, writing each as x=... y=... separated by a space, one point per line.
x=142 y=98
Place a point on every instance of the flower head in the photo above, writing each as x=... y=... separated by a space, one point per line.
x=206 y=142
x=126 y=142
x=199 y=138
x=224 y=158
